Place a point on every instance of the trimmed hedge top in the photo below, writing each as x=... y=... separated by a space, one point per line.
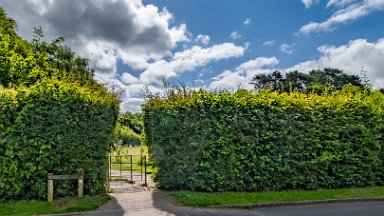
x=266 y=141
x=54 y=127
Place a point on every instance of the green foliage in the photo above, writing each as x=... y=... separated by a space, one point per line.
x=54 y=117
x=132 y=121
x=315 y=81
x=129 y=129
x=24 y=64
x=54 y=127
x=266 y=141
x=125 y=136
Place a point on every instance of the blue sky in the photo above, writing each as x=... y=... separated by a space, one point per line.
x=215 y=44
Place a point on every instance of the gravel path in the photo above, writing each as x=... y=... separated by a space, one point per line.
x=130 y=199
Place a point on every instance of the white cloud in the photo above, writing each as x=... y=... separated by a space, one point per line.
x=350 y=11
x=257 y=63
x=131 y=88
x=247 y=21
x=128 y=78
x=269 y=43
x=309 y=3
x=189 y=60
x=243 y=74
x=131 y=104
x=235 y=35
x=203 y=39
x=339 y=3
x=351 y=58
x=103 y=31
x=286 y=48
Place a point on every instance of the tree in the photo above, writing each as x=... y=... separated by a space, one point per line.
x=129 y=129
x=274 y=81
x=297 y=81
x=63 y=60
x=334 y=78
x=24 y=63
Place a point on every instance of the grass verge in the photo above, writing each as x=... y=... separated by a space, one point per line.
x=64 y=205
x=247 y=199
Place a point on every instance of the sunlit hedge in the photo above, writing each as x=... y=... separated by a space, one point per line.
x=54 y=127
x=266 y=141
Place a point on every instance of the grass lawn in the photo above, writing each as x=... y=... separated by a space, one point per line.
x=246 y=199
x=136 y=153
x=64 y=205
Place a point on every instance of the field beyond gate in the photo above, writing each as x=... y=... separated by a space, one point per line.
x=127 y=169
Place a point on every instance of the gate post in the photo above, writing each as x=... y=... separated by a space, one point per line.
x=145 y=170
x=131 y=169
x=80 y=183
x=50 y=187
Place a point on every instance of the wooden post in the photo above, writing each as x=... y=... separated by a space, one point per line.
x=50 y=187
x=80 y=183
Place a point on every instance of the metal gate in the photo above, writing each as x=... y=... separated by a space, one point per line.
x=128 y=168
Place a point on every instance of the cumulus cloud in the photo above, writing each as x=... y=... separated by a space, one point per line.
x=235 y=35
x=350 y=11
x=351 y=58
x=103 y=31
x=132 y=105
x=128 y=78
x=243 y=74
x=129 y=86
x=286 y=48
x=203 y=39
x=189 y=60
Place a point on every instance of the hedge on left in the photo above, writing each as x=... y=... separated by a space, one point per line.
x=54 y=117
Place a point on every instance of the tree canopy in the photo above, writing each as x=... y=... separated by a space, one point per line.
x=24 y=63
x=129 y=129
x=315 y=80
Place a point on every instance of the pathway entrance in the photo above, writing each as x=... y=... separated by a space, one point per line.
x=126 y=172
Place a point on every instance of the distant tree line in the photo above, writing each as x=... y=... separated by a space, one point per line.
x=314 y=81
x=129 y=130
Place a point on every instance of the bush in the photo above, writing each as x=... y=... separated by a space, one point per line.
x=55 y=127
x=267 y=141
x=125 y=136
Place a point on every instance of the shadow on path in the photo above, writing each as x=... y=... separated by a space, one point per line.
x=163 y=202
x=111 y=208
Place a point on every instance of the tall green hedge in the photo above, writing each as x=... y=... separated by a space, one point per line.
x=55 y=127
x=266 y=141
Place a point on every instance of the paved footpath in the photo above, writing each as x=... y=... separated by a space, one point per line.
x=135 y=200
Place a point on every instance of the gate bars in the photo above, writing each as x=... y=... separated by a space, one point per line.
x=128 y=168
